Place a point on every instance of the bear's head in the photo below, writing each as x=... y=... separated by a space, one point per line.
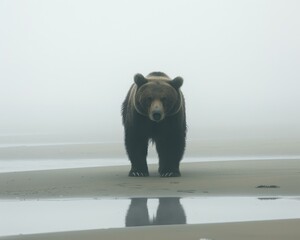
x=157 y=96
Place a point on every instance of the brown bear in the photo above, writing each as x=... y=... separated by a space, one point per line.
x=154 y=109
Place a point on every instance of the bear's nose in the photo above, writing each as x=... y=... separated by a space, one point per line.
x=156 y=116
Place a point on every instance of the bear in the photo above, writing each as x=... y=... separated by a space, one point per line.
x=154 y=110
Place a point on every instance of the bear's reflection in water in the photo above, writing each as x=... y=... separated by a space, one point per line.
x=169 y=211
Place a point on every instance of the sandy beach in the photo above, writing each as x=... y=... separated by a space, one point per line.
x=258 y=179
x=236 y=178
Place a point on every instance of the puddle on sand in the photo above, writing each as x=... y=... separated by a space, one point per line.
x=56 y=215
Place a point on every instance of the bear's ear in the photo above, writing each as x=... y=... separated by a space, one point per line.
x=177 y=82
x=139 y=79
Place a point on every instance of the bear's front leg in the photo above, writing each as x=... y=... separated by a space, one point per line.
x=137 y=149
x=170 y=151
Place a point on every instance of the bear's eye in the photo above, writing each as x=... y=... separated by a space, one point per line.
x=163 y=99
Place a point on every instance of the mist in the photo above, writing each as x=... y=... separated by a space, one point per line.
x=66 y=66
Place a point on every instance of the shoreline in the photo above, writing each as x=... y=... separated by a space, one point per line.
x=25 y=165
x=194 y=149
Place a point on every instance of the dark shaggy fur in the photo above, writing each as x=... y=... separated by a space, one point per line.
x=154 y=109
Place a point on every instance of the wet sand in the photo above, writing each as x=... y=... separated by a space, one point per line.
x=237 y=178
x=265 y=230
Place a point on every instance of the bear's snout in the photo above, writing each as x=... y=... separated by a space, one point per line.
x=156 y=111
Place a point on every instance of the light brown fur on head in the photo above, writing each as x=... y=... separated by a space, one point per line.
x=157 y=76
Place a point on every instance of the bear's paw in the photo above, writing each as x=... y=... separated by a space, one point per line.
x=137 y=173
x=170 y=174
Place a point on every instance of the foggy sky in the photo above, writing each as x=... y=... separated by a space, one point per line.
x=66 y=66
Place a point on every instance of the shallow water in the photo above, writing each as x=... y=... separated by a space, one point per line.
x=21 y=165
x=56 y=215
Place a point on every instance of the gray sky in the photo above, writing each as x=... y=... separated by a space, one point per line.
x=66 y=66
